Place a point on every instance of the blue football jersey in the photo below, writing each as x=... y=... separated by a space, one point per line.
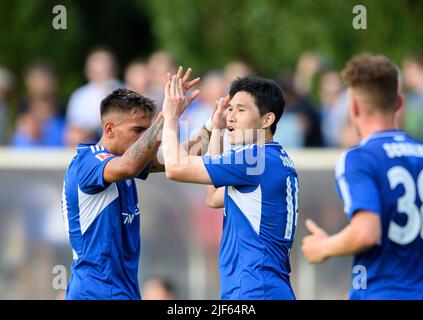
x=259 y=220
x=103 y=223
x=384 y=174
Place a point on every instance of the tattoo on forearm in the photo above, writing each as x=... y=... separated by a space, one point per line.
x=145 y=142
x=199 y=144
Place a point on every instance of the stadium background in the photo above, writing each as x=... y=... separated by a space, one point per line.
x=301 y=44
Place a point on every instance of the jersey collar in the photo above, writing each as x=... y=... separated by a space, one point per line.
x=94 y=147
x=383 y=134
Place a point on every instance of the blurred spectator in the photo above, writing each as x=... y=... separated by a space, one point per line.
x=212 y=88
x=299 y=126
x=84 y=104
x=308 y=66
x=236 y=69
x=413 y=82
x=6 y=82
x=76 y=134
x=40 y=121
x=158 y=289
x=137 y=77
x=334 y=115
x=159 y=64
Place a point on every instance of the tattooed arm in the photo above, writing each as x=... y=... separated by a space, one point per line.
x=197 y=146
x=137 y=157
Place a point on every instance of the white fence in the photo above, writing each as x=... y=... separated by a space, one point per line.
x=179 y=234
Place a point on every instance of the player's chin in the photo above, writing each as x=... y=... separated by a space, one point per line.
x=123 y=150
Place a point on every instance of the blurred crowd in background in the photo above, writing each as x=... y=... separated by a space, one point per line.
x=316 y=113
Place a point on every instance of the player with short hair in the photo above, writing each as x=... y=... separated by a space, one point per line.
x=100 y=202
x=381 y=184
x=255 y=182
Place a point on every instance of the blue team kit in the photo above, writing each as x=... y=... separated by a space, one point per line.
x=384 y=175
x=260 y=218
x=103 y=222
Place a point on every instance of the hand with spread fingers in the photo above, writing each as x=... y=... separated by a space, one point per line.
x=175 y=92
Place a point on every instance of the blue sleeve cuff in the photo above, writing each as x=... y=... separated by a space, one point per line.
x=212 y=174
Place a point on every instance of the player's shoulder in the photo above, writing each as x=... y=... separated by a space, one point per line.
x=244 y=148
x=354 y=157
x=371 y=151
x=278 y=157
x=271 y=146
x=403 y=146
x=92 y=152
x=391 y=144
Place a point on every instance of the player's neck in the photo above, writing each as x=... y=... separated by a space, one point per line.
x=372 y=126
x=103 y=142
x=268 y=137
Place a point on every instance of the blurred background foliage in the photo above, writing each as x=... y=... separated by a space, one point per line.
x=206 y=34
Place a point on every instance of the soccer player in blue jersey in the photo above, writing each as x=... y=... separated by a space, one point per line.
x=381 y=184
x=100 y=203
x=255 y=182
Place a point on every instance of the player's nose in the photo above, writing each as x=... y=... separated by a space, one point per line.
x=230 y=118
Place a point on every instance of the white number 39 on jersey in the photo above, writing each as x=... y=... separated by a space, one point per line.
x=407 y=205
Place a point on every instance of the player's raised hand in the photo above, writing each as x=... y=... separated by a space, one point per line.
x=185 y=78
x=313 y=245
x=175 y=101
x=187 y=85
x=219 y=115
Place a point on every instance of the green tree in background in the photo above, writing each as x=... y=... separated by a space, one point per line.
x=26 y=33
x=269 y=34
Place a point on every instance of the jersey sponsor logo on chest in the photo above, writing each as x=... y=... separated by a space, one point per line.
x=130 y=217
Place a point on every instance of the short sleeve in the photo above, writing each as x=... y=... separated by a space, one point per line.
x=356 y=182
x=91 y=178
x=237 y=167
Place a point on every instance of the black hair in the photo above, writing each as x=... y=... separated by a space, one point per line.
x=267 y=95
x=125 y=100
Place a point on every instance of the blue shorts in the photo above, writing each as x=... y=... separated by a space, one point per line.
x=87 y=287
x=265 y=285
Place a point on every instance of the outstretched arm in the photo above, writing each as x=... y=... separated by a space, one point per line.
x=180 y=166
x=361 y=233
x=194 y=146
x=137 y=157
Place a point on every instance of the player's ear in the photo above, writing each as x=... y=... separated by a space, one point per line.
x=400 y=102
x=109 y=129
x=267 y=120
x=355 y=107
